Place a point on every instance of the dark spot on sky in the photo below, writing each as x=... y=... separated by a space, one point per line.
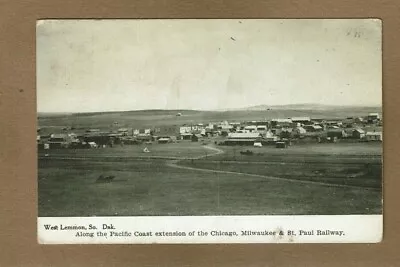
x=317 y=60
x=21 y=90
x=240 y=22
x=233 y=39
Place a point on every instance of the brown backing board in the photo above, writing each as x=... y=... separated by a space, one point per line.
x=18 y=197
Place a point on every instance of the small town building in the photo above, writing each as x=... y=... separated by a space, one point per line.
x=164 y=140
x=262 y=128
x=302 y=120
x=223 y=133
x=281 y=145
x=73 y=135
x=244 y=135
x=92 y=145
x=269 y=134
x=318 y=120
x=336 y=133
x=313 y=128
x=250 y=128
x=185 y=136
x=373 y=117
x=195 y=137
x=210 y=131
x=226 y=128
x=144 y=137
x=278 y=131
x=284 y=132
x=211 y=127
x=243 y=138
x=102 y=138
x=373 y=136
x=123 y=131
x=299 y=131
x=59 y=141
x=260 y=123
x=349 y=121
x=281 y=123
x=358 y=134
x=198 y=127
x=257 y=144
x=129 y=140
x=272 y=139
x=359 y=120
x=333 y=123
x=45 y=136
x=171 y=130
x=185 y=129
x=332 y=127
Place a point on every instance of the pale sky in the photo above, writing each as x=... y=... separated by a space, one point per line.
x=110 y=65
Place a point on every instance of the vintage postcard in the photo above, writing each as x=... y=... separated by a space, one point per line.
x=209 y=131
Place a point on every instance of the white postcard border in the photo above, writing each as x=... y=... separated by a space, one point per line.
x=219 y=229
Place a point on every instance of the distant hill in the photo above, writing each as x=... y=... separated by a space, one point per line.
x=154 y=118
x=128 y=112
x=53 y=114
x=304 y=107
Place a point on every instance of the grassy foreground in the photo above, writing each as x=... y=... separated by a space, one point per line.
x=67 y=187
x=351 y=164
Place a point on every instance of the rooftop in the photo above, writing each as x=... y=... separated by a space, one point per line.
x=301 y=119
x=251 y=127
x=58 y=136
x=243 y=135
x=241 y=139
x=334 y=130
x=374 y=133
x=359 y=130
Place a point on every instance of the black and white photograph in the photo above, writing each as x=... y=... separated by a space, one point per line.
x=209 y=130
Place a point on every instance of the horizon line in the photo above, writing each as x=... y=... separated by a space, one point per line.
x=211 y=110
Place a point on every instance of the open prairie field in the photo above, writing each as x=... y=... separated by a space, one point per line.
x=171 y=150
x=348 y=164
x=210 y=183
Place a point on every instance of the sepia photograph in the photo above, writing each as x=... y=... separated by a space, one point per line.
x=192 y=119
